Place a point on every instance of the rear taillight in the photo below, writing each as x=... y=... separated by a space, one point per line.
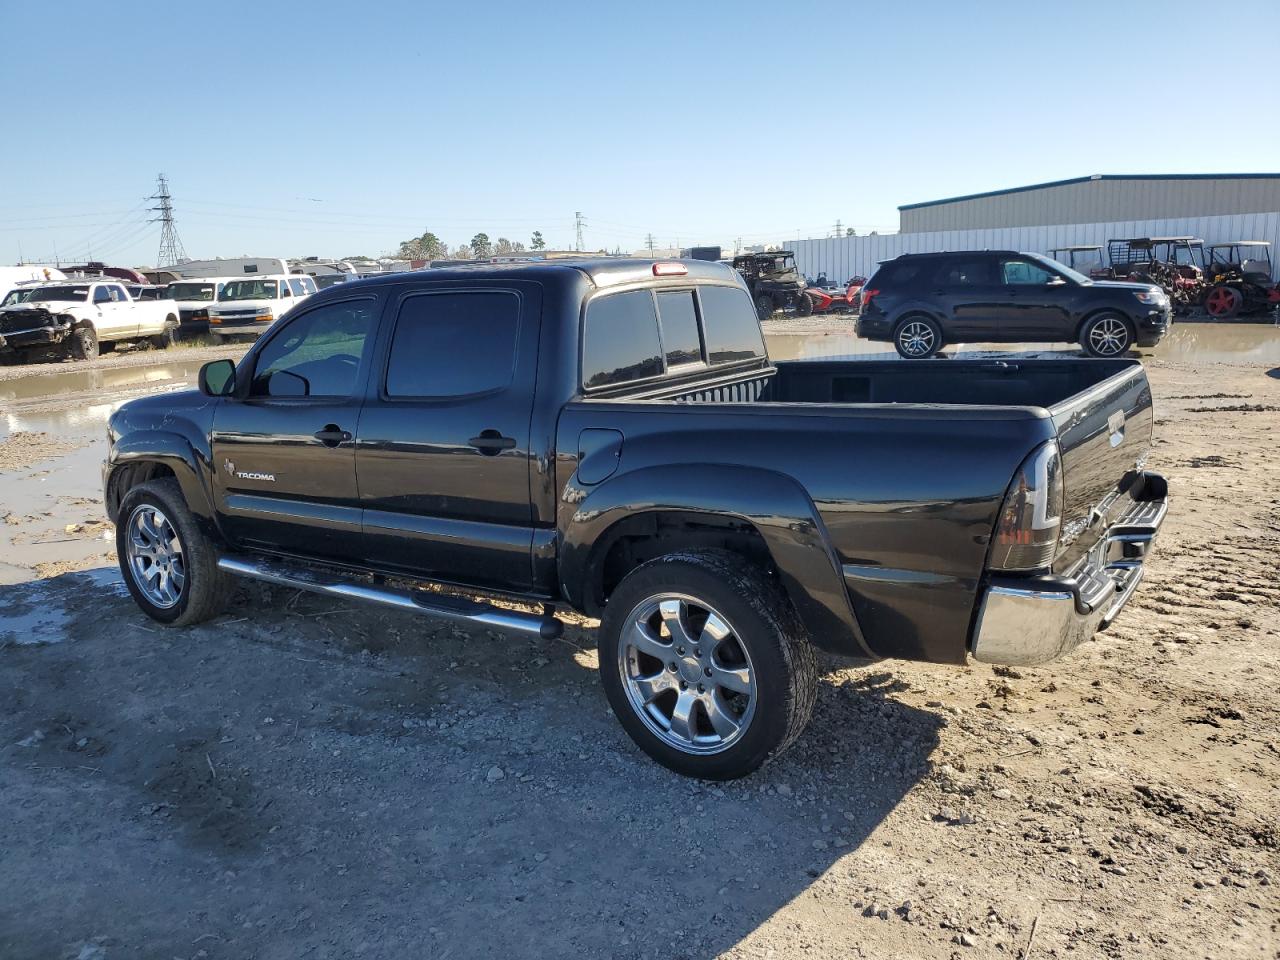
x=866 y=297
x=1031 y=515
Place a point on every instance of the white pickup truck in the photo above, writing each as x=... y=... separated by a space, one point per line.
x=83 y=317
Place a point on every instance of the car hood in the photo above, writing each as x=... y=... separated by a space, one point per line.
x=53 y=306
x=1124 y=285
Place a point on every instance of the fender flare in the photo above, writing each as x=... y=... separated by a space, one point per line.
x=167 y=448
x=774 y=505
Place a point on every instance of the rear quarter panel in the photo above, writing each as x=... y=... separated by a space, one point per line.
x=905 y=497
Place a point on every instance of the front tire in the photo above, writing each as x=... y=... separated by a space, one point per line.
x=83 y=344
x=917 y=338
x=705 y=664
x=1106 y=335
x=168 y=564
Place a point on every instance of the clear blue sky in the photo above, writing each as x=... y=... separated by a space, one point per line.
x=327 y=128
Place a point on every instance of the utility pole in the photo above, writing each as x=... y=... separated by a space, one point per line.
x=170 y=246
x=649 y=243
x=578 y=221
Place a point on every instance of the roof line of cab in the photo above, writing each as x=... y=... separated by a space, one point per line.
x=601 y=271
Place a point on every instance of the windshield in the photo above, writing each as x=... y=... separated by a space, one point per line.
x=1062 y=268
x=77 y=294
x=203 y=292
x=249 y=290
x=17 y=296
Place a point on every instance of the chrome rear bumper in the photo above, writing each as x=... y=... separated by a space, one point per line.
x=1024 y=622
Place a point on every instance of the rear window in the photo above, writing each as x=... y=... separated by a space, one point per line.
x=901 y=272
x=730 y=323
x=620 y=339
x=434 y=349
x=679 y=316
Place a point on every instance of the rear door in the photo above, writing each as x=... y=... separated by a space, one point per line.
x=284 y=476
x=966 y=289
x=443 y=453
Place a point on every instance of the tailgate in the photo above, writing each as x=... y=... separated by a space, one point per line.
x=1104 y=434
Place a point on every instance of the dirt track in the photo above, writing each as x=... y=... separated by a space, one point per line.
x=305 y=779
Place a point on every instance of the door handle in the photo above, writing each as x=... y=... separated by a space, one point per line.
x=491 y=442
x=332 y=435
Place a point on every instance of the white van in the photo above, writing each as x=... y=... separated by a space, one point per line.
x=247 y=306
x=194 y=298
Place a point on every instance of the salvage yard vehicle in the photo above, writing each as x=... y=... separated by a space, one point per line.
x=921 y=302
x=611 y=436
x=828 y=298
x=1239 y=279
x=1086 y=258
x=194 y=297
x=1176 y=264
x=82 y=318
x=773 y=280
x=247 y=307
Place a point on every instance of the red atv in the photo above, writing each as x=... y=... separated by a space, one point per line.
x=826 y=297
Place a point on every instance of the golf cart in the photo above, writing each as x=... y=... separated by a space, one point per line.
x=1175 y=264
x=1086 y=259
x=1239 y=279
x=774 y=281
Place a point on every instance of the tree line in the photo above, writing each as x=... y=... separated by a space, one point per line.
x=430 y=247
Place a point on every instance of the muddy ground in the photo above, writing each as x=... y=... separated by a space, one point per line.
x=306 y=779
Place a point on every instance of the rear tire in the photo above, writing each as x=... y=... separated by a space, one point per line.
x=83 y=344
x=1223 y=302
x=162 y=341
x=804 y=305
x=159 y=545
x=1107 y=335
x=917 y=338
x=743 y=686
x=764 y=306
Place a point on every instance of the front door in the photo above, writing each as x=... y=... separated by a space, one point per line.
x=1037 y=303
x=443 y=452
x=284 y=446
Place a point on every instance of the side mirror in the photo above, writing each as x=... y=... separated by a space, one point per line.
x=217 y=378
x=1056 y=282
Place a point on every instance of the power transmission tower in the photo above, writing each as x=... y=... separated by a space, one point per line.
x=171 y=251
x=839 y=232
x=649 y=243
x=578 y=221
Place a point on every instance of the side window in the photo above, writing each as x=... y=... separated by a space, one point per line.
x=679 y=317
x=308 y=285
x=316 y=354
x=964 y=273
x=284 y=289
x=453 y=344
x=730 y=324
x=1023 y=272
x=101 y=295
x=118 y=294
x=297 y=286
x=620 y=339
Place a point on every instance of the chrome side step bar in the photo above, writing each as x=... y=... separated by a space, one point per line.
x=446 y=606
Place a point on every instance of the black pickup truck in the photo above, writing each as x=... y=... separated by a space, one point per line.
x=610 y=436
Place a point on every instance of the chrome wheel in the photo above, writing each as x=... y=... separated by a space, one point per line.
x=686 y=674
x=1108 y=337
x=916 y=339
x=155 y=556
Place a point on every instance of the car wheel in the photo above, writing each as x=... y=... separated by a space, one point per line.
x=764 y=306
x=804 y=305
x=1223 y=302
x=705 y=664
x=168 y=564
x=917 y=337
x=162 y=341
x=1106 y=335
x=217 y=339
x=84 y=343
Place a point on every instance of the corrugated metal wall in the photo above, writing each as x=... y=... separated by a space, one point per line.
x=1092 y=201
x=844 y=257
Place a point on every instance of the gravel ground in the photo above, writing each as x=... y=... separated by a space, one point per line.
x=302 y=778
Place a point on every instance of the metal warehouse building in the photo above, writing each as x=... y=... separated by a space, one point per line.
x=1098 y=199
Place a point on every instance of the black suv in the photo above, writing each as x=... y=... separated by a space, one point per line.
x=922 y=301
